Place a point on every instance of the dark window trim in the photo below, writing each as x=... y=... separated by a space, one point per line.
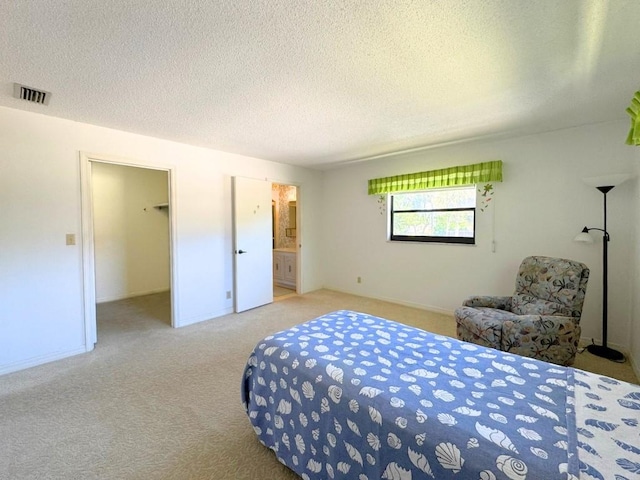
x=460 y=209
x=426 y=239
x=431 y=239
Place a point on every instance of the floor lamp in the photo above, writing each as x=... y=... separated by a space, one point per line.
x=604 y=184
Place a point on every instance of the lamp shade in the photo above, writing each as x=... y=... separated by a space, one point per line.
x=584 y=236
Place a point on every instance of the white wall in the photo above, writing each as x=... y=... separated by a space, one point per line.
x=41 y=308
x=539 y=208
x=131 y=236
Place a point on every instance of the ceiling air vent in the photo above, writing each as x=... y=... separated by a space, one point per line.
x=29 y=94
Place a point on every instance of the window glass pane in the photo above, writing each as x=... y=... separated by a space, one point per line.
x=434 y=224
x=436 y=199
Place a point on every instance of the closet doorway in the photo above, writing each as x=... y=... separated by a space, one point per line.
x=127 y=240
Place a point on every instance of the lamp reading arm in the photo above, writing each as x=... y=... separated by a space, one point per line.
x=605 y=233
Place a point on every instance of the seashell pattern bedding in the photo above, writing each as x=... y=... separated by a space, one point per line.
x=354 y=396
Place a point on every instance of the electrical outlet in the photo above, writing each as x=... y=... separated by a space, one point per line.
x=228 y=295
x=71 y=239
x=359 y=279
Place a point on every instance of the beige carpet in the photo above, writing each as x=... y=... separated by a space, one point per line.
x=279 y=291
x=152 y=402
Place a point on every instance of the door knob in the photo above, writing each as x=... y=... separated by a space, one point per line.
x=240 y=252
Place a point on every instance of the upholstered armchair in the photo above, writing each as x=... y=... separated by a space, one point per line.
x=542 y=318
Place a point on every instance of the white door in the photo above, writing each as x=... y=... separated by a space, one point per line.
x=252 y=243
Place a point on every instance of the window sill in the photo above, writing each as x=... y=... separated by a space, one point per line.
x=400 y=242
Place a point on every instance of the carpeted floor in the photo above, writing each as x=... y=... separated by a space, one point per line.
x=152 y=402
x=279 y=291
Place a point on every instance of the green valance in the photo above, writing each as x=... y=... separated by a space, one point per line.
x=634 y=111
x=445 y=177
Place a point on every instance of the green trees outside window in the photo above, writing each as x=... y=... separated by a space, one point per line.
x=439 y=215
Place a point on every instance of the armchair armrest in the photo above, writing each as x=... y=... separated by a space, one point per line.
x=501 y=303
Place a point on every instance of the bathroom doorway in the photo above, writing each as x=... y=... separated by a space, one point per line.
x=285 y=221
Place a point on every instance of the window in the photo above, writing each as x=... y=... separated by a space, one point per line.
x=445 y=215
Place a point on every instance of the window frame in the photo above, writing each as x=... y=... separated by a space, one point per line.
x=429 y=238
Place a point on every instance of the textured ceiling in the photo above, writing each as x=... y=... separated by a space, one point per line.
x=323 y=83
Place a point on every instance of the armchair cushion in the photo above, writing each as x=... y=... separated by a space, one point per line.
x=528 y=305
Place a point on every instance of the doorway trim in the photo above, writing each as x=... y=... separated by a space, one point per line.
x=88 y=239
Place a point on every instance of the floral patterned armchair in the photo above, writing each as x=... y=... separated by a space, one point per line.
x=542 y=318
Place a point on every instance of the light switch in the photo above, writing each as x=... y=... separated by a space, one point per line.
x=71 y=238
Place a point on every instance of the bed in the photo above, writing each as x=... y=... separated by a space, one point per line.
x=354 y=396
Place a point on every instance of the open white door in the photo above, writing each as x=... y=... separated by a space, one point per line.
x=253 y=255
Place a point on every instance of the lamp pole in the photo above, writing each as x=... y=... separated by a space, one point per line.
x=603 y=350
x=604 y=183
x=605 y=270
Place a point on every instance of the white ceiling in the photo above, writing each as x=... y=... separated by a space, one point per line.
x=316 y=83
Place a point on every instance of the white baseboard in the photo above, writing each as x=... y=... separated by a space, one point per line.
x=585 y=341
x=130 y=295
x=35 y=361
x=420 y=306
x=203 y=318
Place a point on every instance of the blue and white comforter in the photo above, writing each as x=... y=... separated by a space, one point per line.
x=353 y=396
